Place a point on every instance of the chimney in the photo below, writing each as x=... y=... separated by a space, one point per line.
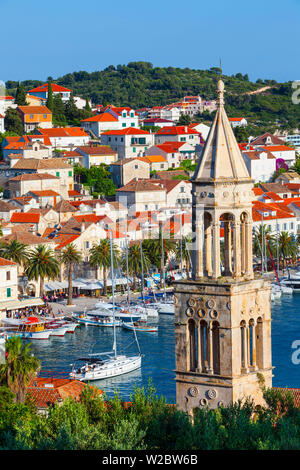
x=82 y=227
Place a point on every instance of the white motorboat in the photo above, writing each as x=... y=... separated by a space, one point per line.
x=95 y=319
x=144 y=328
x=275 y=292
x=166 y=308
x=96 y=367
x=26 y=329
x=120 y=314
x=145 y=311
x=292 y=281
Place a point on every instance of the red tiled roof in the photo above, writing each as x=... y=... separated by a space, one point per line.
x=278 y=148
x=34 y=110
x=6 y=262
x=91 y=218
x=176 y=130
x=97 y=150
x=44 y=88
x=63 y=132
x=126 y=131
x=65 y=240
x=25 y=217
x=282 y=212
x=46 y=391
x=170 y=147
x=7 y=98
x=45 y=193
x=257 y=191
x=103 y=117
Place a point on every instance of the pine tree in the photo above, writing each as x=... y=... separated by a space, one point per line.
x=71 y=110
x=21 y=95
x=50 y=102
x=58 y=109
x=87 y=105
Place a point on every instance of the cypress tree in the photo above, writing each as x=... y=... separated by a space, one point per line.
x=21 y=95
x=71 y=110
x=58 y=109
x=87 y=105
x=50 y=103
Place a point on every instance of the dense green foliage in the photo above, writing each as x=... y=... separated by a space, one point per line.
x=97 y=178
x=139 y=84
x=13 y=122
x=148 y=423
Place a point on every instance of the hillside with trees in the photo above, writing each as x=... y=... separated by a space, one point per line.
x=139 y=84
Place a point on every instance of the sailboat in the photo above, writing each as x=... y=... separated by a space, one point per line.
x=104 y=365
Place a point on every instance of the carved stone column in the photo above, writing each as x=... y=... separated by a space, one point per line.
x=216 y=250
x=210 y=350
x=237 y=249
x=227 y=248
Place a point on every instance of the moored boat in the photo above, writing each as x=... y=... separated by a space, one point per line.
x=140 y=327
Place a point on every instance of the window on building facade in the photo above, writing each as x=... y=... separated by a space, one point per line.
x=8 y=275
x=8 y=292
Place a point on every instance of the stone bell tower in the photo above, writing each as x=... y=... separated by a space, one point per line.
x=223 y=314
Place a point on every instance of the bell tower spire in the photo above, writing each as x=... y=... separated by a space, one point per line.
x=222 y=314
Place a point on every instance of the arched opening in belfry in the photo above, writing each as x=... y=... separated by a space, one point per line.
x=246 y=243
x=207 y=244
x=259 y=342
x=252 y=345
x=204 y=345
x=244 y=345
x=226 y=246
x=216 y=347
x=193 y=345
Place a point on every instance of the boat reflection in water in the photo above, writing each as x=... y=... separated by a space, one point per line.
x=121 y=383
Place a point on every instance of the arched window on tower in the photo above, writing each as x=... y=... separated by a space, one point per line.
x=204 y=345
x=216 y=347
x=259 y=342
x=193 y=345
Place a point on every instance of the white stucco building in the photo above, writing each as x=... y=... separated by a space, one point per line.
x=129 y=142
x=261 y=165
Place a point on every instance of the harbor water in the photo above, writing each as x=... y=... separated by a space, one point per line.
x=57 y=354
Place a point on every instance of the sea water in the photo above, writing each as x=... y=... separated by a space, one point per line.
x=158 y=364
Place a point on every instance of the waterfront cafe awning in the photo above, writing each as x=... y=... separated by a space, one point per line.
x=18 y=304
x=92 y=285
x=118 y=281
x=55 y=285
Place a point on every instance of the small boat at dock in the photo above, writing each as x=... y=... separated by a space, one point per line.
x=140 y=327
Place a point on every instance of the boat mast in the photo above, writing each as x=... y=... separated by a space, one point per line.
x=142 y=286
x=127 y=269
x=113 y=290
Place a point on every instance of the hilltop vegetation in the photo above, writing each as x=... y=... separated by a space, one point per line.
x=139 y=84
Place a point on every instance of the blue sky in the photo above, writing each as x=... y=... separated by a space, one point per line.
x=41 y=39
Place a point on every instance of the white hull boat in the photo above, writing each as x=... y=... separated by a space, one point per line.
x=94 y=320
x=166 y=308
x=59 y=331
x=144 y=311
x=106 y=365
x=106 y=368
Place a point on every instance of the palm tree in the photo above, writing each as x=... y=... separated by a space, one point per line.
x=185 y=242
x=41 y=264
x=14 y=251
x=135 y=262
x=19 y=368
x=263 y=233
x=70 y=256
x=100 y=258
x=153 y=249
x=287 y=246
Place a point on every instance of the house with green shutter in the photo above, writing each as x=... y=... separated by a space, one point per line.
x=129 y=142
